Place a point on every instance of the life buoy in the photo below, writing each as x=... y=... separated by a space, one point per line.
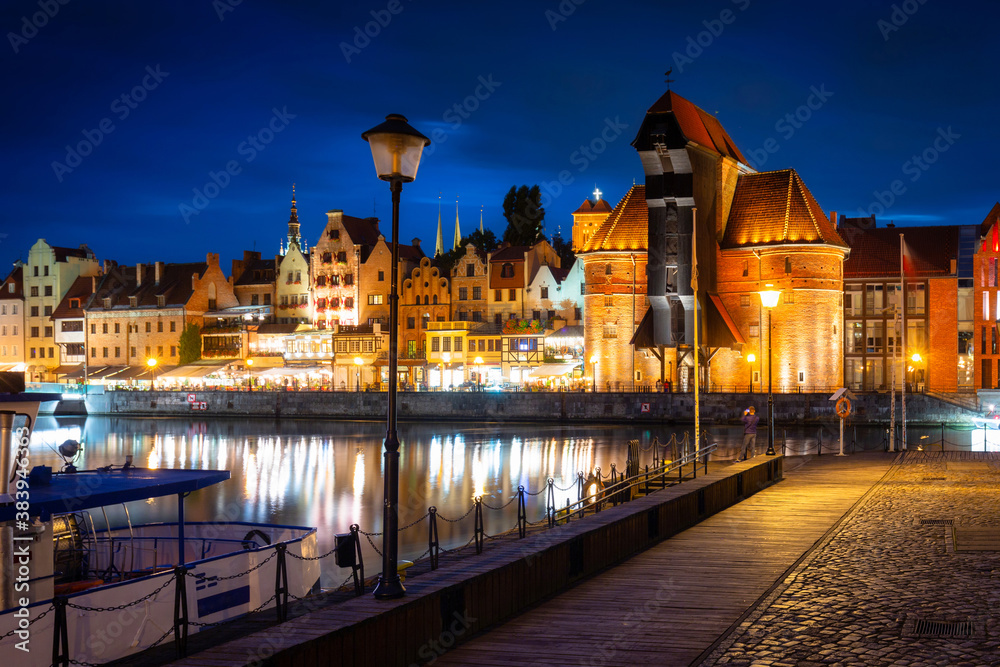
x=843 y=407
x=250 y=541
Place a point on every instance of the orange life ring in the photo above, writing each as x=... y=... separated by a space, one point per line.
x=843 y=407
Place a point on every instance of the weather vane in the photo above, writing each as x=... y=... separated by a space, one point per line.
x=669 y=80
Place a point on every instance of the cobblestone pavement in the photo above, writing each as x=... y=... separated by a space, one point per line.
x=858 y=598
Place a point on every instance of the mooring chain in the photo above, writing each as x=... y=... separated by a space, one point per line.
x=127 y=604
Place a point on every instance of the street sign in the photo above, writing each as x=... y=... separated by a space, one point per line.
x=645 y=407
x=192 y=398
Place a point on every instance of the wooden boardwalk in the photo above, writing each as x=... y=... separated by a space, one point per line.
x=669 y=604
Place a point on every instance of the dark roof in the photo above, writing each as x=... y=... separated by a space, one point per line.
x=363 y=231
x=875 y=252
x=410 y=252
x=62 y=253
x=695 y=125
x=120 y=284
x=559 y=273
x=265 y=267
x=992 y=218
x=626 y=227
x=776 y=208
x=81 y=290
x=487 y=329
x=276 y=329
x=512 y=253
x=15 y=278
x=588 y=206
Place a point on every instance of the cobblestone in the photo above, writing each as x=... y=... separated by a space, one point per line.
x=847 y=602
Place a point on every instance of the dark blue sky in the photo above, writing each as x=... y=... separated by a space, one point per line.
x=554 y=86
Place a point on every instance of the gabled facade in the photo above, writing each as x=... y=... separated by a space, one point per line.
x=375 y=280
x=986 y=303
x=586 y=219
x=254 y=283
x=470 y=286
x=425 y=297
x=512 y=269
x=293 y=278
x=335 y=266
x=69 y=319
x=12 y=320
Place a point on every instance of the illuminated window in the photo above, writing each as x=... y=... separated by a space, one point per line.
x=789 y=297
x=745 y=300
x=610 y=330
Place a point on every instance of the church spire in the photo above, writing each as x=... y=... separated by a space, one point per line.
x=439 y=247
x=293 y=224
x=480 y=219
x=458 y=233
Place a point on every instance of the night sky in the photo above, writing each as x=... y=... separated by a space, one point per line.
x=162 y=95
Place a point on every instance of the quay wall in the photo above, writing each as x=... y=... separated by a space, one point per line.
x=518 y=406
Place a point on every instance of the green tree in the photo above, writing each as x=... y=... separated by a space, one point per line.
x=190 y=344
x=564 y=250
x=485 y=242
x=522 y=207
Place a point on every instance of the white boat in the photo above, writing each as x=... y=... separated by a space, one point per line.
x=110 y=588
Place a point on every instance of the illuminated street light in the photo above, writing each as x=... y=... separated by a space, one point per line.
x=396 y=149
x=479 y=373
x=769 y=299
x=593 y=366
x=750 y=359
x=357 y=362
x=250 y=372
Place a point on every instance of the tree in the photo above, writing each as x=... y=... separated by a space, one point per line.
x=564 y=250
x=485 y=242
x=522 y=207
x=190 y=344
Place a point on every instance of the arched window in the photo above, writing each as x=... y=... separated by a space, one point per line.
x=425 y=299
x=507 y=270
x=435 y=300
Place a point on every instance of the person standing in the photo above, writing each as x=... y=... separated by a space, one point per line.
x=749 y=420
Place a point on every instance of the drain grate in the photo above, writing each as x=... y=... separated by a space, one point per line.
x=935 y=479
x=937 y=627
x=936 y=522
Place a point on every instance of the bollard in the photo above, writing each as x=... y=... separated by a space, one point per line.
x=479 y=533
x=281 y=583
x=432 y=536
x=522 y=514
x=180 y=611
x=550 y=507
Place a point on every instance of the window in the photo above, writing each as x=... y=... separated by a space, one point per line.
x=607 y=269
x=320 y=281
x=93 y=353
x=34 y=290
x=47 y=311
x=284 y=299
x=159 y=351
x=435 y=344
x=335 y=302
x=118 y=352
x=477 y=293
x=446 y=344
x=132 y=350
x=609 y=301
x=788 y=297
x=149 y=327
x=498 y=295
x=93 y=329
x=512 y=295
x=173 y=326
x=744 y=300
x=133 y=301
x=489 y=345
x=321 y=304
x=536 y=314
x=348 y=278
x=34 y=332
x=173 y=351
x=802 y=377
x=342 y=257
x=788 y=265
x=477 y=316
x=458 y=343
x=411 y=323
x=746 y=268
x=545 y=292
x=161 y=300
x=551 y=314
x=34 y=311
x=610 y=330
x=36 y=275
x=754 y=330
x=107 y=302
x=374 y=299
x=149 y=352
x=334 y=281
x=381 y=275
x=334 y=234
x=104 y=328
x=434 y=299
x=118 y=327
x=46 y=272
x=349 y=302
x=104 y=352
x=470 y=270
x=424 y=320
x=498 y=318
x=267 y=299
x=463 y=293
x=32 y=351
x=463 y=316
x=298 y=276
x=48 y=332
x=327 y=258
x=507 y=270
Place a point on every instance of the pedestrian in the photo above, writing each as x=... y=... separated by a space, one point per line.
x=749 y=420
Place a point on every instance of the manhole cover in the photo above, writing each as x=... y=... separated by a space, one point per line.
x=977 y=538
x=916 y=626
x=936 y=522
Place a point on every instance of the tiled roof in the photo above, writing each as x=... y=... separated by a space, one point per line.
x=775 y=208
x=62 y=253
x=588 y=206
x=362 y=231
x=16 y=277
x=697 y=125
x=559 y=274
x=626 y=228
x=410 y=252
x=120 y=284
x=875 y=252
x=265 y=268
x=512 y=253
x=81 y=289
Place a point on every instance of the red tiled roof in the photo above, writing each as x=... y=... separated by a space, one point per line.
x=410 y=252
x=512 y=253
x=588 y=206
x=80 y=290
x=63 y=253
x=16 y=278
x=875 y=252
x=362 y=231
x=626 y=227
x=697 y=125
x=775 y=208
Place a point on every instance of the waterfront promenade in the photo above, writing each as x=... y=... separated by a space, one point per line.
x=846 y=561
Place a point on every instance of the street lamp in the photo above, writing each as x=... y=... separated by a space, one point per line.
x=750 y=359
x=769 y=299
x=250 y=372
x=593 y=366
x=445 y=360
x=396 y=149
x=357 y=362
x=479 y=373
x=916 y=359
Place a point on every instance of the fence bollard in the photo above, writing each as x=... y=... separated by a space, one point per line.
x=358 y=570
x=60 y=633
x=942 y=436
x=180 y=611
x=567 y=510
x=281 y=583
x=784 y=441
x=579 y=485
x=819 y=443
x=478 y=530
x=614 y=480
x=550 y=507
x=433 y=547
x=522 y=513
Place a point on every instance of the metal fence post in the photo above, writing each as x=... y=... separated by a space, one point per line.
x=180 y=611
x=60 y=633
x=478 y=530
x=281 y=583
x=522 y=514
x=550 y=506
x=432 y=537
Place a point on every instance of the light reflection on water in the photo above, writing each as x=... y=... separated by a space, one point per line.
x=328 y=474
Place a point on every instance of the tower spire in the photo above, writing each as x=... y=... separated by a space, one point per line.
x=458 y=233
x=439 y=246
x=293 y=224
x=480 y=219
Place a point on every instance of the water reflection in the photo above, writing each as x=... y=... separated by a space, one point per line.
x=329 y=474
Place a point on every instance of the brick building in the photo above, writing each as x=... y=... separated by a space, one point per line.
x=986 y=303
x=12 y=320
x=292 y=287
x=511 y=270
x=588 y=218
x=425 y=297
x=374 y=282
x=254 y=284
x=470 y=286
x=335 y=265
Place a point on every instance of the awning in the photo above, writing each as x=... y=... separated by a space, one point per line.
x=289 y=371
x=570 y=332
x=67 y=368
x=549 y=370
x=192 y=371
x=133 y=372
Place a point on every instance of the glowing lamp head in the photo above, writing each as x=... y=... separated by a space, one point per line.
x=594 y=358
x=358 y=361
x=769 y=296
x=479 y=361
x=916 y=358
x=151 y=363
x=249 y=362
x=396 y=148
x=751 y=358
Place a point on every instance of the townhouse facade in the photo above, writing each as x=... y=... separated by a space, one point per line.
x=12 y=320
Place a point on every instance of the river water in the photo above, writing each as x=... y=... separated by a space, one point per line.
x=328 y=474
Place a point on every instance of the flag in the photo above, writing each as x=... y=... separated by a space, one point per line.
x=906 y=258
x=694 y=251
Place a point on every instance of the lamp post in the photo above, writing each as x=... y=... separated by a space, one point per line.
x=916 y=359
x=593 y=366
x=357 y=362
x=250 y=372
x=151 y=364
x=750 y=359
x=396 y=149
x=479 y=373
x=769 y=299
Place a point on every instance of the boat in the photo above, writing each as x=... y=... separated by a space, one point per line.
x=79 y=586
